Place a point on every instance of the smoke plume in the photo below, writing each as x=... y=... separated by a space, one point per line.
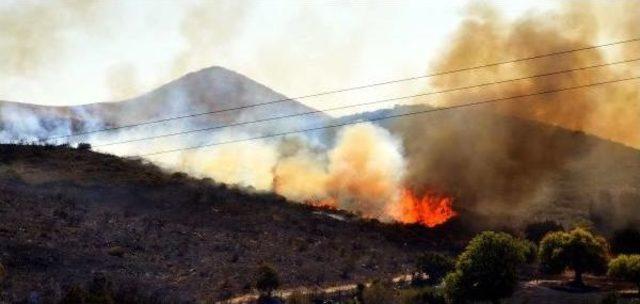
x=509 y=160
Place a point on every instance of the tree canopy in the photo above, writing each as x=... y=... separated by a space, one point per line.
x=578 y=250
x=487 y=269
x=626 y=267
x=434 y=266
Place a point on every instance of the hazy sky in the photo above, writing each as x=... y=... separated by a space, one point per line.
x=74 y=52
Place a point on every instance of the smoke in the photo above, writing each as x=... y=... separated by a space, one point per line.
x=26 y=48
x=516 y=161
x=512 y=161
x=606 y=112
x=363 y=173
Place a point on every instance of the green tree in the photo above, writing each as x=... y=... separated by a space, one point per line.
x=486 y=270
x=267 y=280
x=433 y=266
x=626 y=267
x=578 y=250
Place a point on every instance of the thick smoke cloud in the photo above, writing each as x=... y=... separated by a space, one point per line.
x=509 y=161
x=26 y=48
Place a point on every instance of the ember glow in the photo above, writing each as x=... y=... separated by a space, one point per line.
x=429 y=210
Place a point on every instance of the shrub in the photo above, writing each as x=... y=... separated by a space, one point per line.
x=578 y=250
x=626 y=241
x=100 y=291
x=536 y=231
x=486 y=270
x=424 y=295
x=267 y=280
x=3 y=272
x=626 y=267
x=84 y=146
x=75 y=295
x=116 y=251
x=433 y=265
x=379 y=293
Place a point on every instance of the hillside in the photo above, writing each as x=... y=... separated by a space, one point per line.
x=66 y=214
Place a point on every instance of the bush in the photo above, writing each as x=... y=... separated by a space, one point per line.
x=626 y=241
x=100 y=291
x=379 y=293
x=626 y=267
x=3 y=272
x=424 y=295
x=75 y=295
x=84 y=146
x=578 y=250
x=433 y=265
x=536 y=231
x=486 y=270
x=267 y=280
x=116 y=251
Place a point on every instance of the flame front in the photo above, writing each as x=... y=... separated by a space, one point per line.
x=429 y=210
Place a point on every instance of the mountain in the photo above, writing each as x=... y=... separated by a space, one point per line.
x=211 y=89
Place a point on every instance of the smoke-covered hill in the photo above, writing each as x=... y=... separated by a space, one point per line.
x=67 y=214
x=515 y=170
x=210 y=89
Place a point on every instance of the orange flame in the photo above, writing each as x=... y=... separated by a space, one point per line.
x=430 y=210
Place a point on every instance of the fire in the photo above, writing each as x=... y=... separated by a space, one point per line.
x=429 y=210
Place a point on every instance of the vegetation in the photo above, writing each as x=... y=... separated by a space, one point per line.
x=267 y=280
x=423 y=295
x=534 y=232
x=433 y=267
x=3 y=272
x=380 y=292
x=626 y=267
x=578 y=250
x=487 y=269
x=626 y=241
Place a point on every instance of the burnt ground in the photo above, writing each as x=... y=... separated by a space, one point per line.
x=68 y=214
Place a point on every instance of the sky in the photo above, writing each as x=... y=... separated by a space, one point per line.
x=76 y=52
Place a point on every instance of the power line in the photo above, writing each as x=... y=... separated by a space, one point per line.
x=345 y=89
x=489 y=101
x=363 y=104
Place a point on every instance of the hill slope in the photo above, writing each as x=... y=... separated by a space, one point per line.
x=62 y=211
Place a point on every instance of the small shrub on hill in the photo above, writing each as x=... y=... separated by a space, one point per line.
x=379 y=292
x=267 y=280
x=3 y=272
x=424 y=295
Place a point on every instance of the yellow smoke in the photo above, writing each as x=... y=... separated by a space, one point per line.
x=608 y=111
